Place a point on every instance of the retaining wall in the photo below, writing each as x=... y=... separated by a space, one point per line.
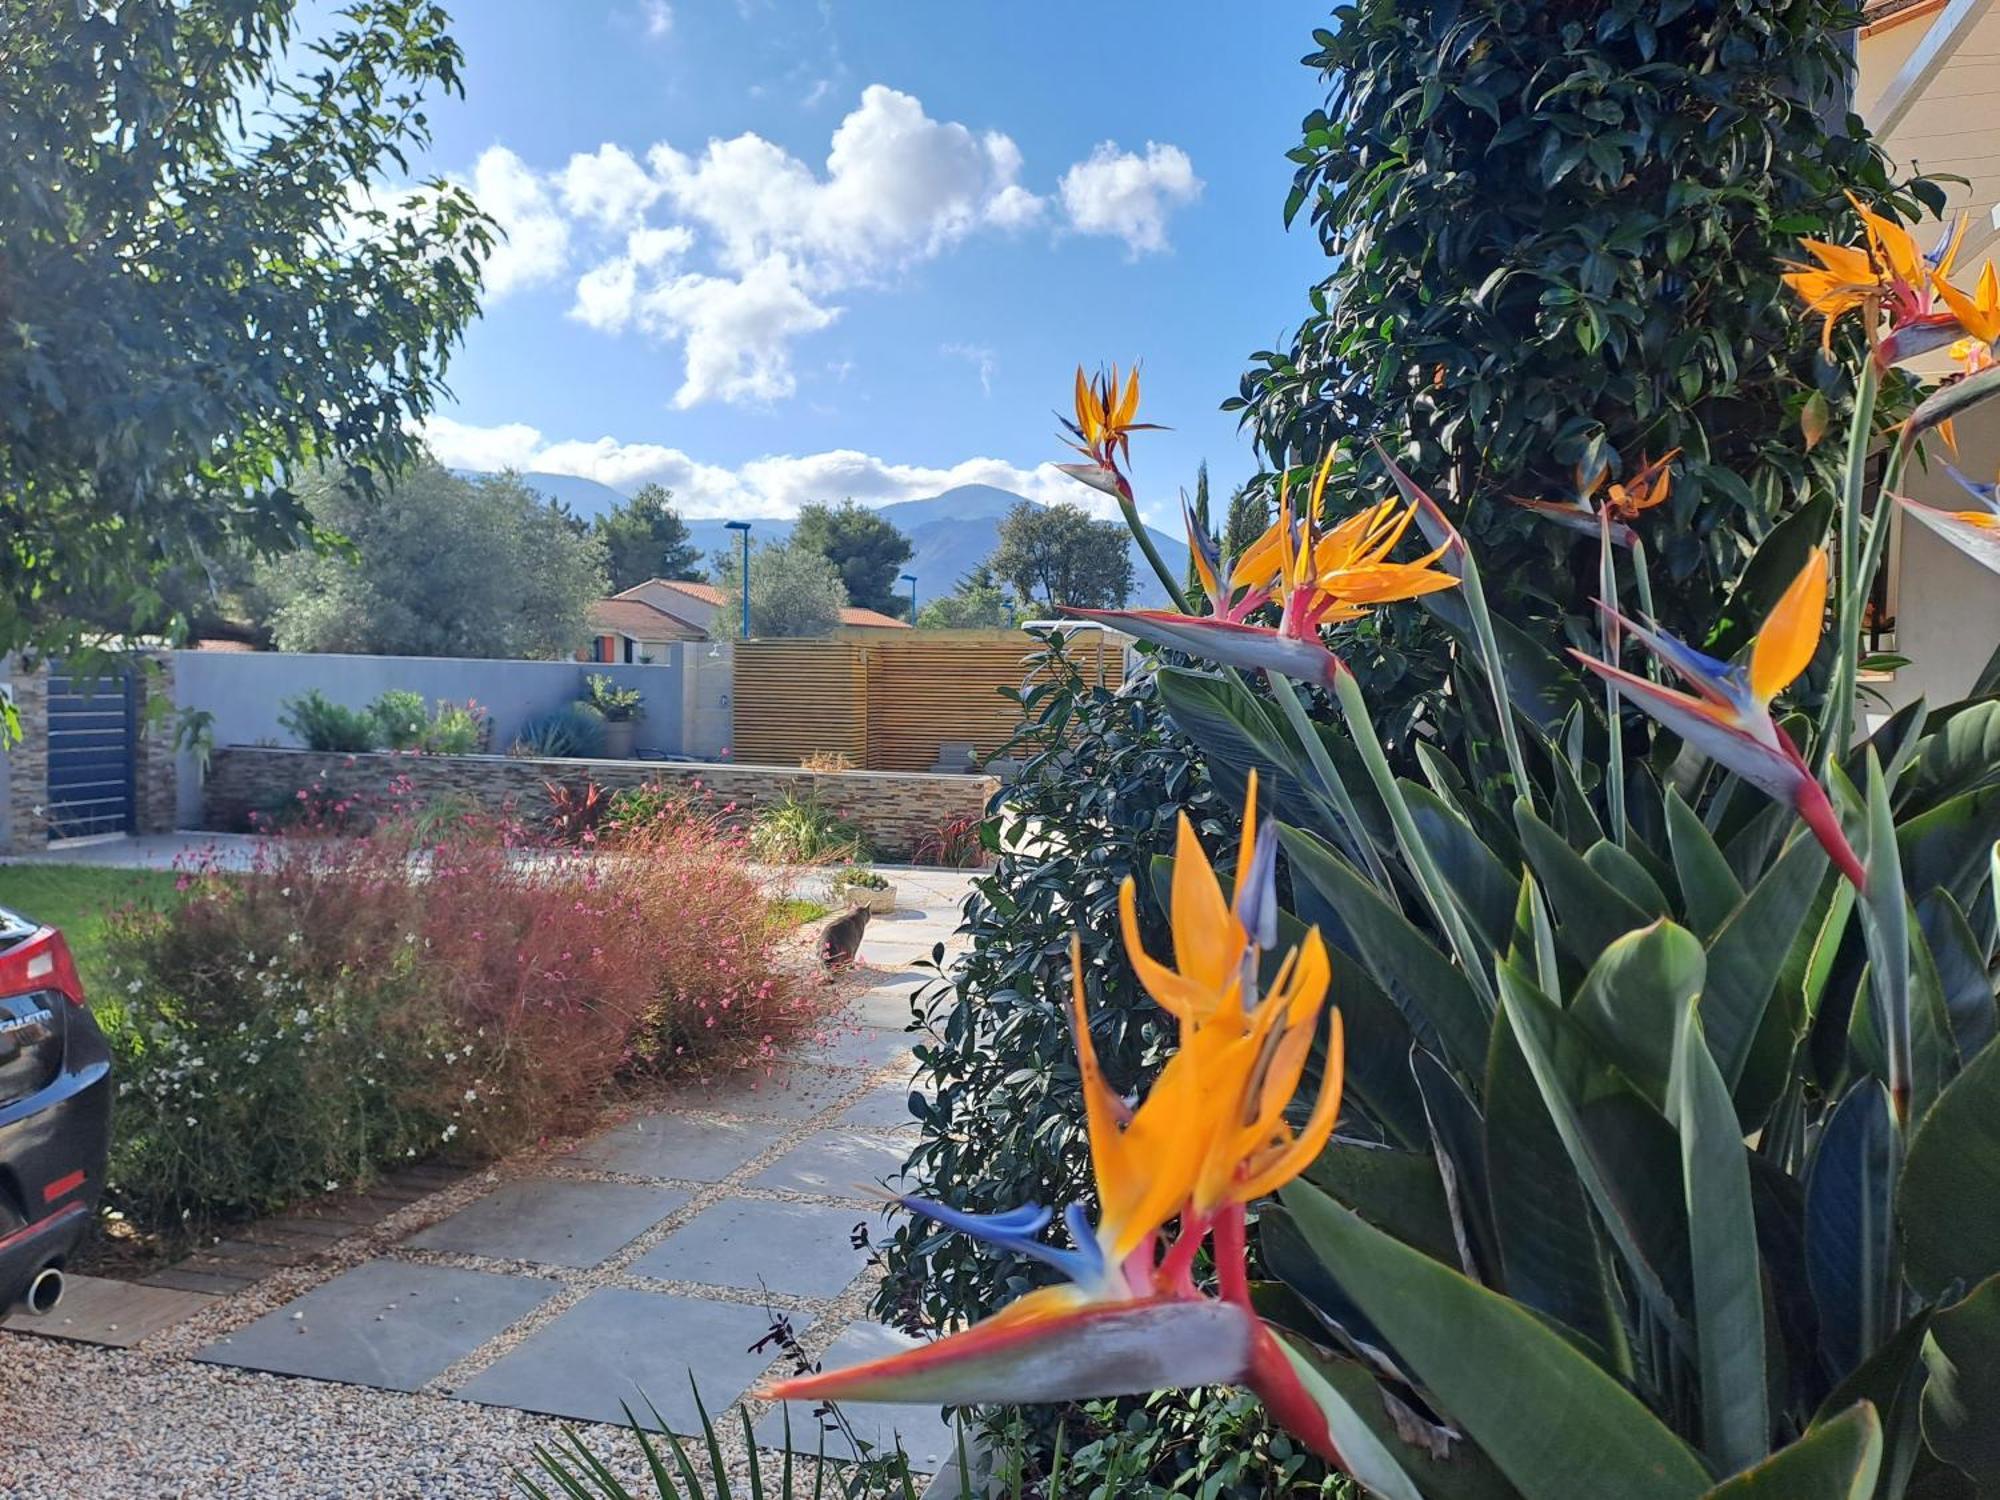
x=894 y=809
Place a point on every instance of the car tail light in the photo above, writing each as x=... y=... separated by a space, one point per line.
x=40 y=961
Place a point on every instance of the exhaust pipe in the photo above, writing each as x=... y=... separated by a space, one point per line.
x=45 y=1291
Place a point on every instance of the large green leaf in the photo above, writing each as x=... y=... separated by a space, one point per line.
x=1484 y=886
x=1963 y=983
x=1630 y=1182
x=1632 y=1000
x=1722 y=1236
x=1553 y=1422
x=1368 y=1455
x=1885 y=923
x=1591 y=913
x=1961 y=1407
x=1850 y=1191
x=1949 y=1205
x=1951 y=846
x=1378 y=1049
x=1458 y=1142
x=1747 y=955
x=1836 y=1460
x=1396 y=1191
x=1460 y=1472
x=1541 y=1218
x=1962 y=755
x=1710 y=890
x=1631 y=878
x=1430 y=992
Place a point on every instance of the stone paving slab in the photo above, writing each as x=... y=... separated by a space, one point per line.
x=687 y=1148
x=115 y=1314
x=836 y=1164
x=887 y=1109
x=886 y=1006
x=388 y=1324
x=864 y=1047
x=801 y=1249
x=926 y=1436
x=797 y=1092
x=552 y=1222
x=618 y=1346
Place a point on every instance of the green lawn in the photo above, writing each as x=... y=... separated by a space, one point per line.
x=78 y=898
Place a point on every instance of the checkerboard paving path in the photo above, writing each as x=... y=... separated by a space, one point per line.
x=656 y=1258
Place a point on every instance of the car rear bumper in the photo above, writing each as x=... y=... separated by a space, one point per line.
x=53 y=1147
x=27 y=1250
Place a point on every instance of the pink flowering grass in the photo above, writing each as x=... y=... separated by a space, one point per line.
x=445 y=980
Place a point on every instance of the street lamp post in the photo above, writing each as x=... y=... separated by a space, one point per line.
x=911 y=580
x=743 y=527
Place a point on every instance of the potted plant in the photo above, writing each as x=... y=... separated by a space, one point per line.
x=622 y=713
x=858 y=886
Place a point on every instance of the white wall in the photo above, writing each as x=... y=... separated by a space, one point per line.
x=246 y=691
x=1947 y=606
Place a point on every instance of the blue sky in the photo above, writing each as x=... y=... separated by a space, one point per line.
x=772 y=251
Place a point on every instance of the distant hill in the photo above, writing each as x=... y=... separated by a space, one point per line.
x=950 y=534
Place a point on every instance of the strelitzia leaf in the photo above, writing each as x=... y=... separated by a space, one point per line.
x=1885 y=924
x=1963 y=1393
x=1634 y=997
x=1949 y=1200
x=1709 y=888
x=1746 y=957
x=1590 y=912
x=1722 y=1233
x=1552 y=1421
x=1850 y=1192
x=1836 y=1460
x=1963 y=983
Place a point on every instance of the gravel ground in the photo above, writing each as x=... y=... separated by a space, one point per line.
x=109 y=1424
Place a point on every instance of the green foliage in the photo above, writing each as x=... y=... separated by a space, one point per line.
x=794 y=590
x=979 y=601
x=1191 y=584
x=805 y=830
x=1059 y=554
x=645 y=538
x=1249 y=517
x=1557 y=233
x=574 y=731
x=438 y=565
x=318 y=723
x=867 y=551
x=618 y=705
x=578 y=1470
x=401 y=719
x=458 y=729
x=210 y=281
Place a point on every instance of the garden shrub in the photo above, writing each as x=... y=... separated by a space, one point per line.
x=572 y=732
x=350 y=1003
x=321 y=724
x=458 y=729
x=803 y=830
x=401 y=719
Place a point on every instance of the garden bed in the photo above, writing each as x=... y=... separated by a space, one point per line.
x=899 y=813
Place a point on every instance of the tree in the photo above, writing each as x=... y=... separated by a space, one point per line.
x=200 y=289
x=794 y=590
x=979 y=602
x=1555 y=236
x=645 y=538
x=437 y=565
x=1058 y=554
x=868 y=551
x=1249 y=518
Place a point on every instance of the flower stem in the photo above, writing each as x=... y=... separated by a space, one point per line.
x=1837 y=724
x=1444 y=907
x=1130 y=510
x=1614 y=719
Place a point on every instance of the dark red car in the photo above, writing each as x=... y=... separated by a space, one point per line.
x=55 y=1112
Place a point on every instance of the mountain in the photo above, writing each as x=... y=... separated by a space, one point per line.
x=950 y=534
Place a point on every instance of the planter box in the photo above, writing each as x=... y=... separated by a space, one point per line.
x=880 y=900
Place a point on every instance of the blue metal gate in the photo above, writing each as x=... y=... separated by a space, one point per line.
x=93 y=731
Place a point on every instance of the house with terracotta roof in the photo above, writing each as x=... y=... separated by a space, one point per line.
x=1928 y=83
x=633 y=631
x=700 y=604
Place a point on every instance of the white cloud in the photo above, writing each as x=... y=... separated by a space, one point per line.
x=607 y=186
x=737 y=332
x=536 y=244
x=739 y=250
x=1120 y=193
x=777 y=485
x=658 y=17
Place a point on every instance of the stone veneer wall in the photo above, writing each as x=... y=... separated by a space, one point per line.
x=895 y=809
x=156 y=768
x=26 y=763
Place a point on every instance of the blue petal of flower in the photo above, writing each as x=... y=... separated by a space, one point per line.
x=1016 y=1230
